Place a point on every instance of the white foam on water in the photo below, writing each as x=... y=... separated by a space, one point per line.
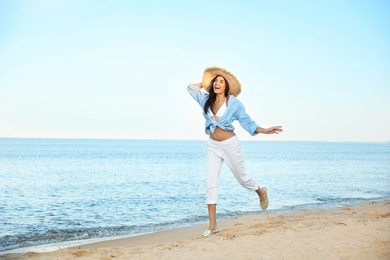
x=62 y=245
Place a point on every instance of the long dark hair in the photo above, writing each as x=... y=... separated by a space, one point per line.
x=212 y=96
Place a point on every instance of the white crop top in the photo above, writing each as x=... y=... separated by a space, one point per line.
x=220 y=111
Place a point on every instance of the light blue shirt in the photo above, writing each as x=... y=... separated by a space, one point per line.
x=234 y=111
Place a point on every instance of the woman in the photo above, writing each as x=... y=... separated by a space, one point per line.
x=220 y=108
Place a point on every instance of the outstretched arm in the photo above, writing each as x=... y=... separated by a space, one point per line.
x=270 y=130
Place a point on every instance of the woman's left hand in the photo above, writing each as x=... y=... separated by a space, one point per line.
x=216 y=118
x=270 y=130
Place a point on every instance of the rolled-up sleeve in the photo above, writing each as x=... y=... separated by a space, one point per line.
x=197 y=94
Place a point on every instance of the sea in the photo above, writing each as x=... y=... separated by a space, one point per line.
x=55 y=191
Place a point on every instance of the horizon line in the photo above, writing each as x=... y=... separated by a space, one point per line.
x=161 y=139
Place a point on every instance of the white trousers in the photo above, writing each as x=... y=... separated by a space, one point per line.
x=229 y=151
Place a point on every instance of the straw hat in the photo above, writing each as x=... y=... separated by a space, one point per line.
x=211 y=72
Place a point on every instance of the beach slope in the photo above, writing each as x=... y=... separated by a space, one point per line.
x=355 y=232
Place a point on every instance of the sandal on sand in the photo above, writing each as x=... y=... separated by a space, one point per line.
x=264 y=204
x=209 y=232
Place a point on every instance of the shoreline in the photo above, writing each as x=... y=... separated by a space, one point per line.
x=359 y=231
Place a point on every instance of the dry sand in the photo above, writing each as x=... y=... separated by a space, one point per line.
x=355 y=232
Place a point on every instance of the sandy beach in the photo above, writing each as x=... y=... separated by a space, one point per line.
x=354 y=232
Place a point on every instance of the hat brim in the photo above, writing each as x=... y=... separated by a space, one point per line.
x=211 y=72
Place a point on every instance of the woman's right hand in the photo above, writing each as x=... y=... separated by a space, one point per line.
x=199 y=85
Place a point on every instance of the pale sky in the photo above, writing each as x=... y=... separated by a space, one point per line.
x=119 y=69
